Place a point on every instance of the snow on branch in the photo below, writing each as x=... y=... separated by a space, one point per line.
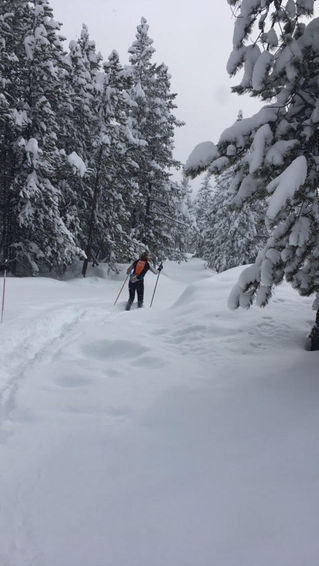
x=260 y=70
x=243 y=21
x=29 y=45
x=301 y=232
x=247 y=188
x=77 y=163
x=251 y=56
x=243 y=292
x=32 y=149
x=262 y=137
x=19 y=117
x=247 y=125
x=277 y=152
x=285 y=185
x=200 y=158
x=218 y=164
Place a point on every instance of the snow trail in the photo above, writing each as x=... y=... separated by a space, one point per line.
x=179 y=435
x=29 y=345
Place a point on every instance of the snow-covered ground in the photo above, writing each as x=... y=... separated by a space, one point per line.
x=182 y=435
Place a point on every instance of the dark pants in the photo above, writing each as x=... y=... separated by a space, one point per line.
x=139 y=288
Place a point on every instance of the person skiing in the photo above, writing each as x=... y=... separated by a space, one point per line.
x=137 y=271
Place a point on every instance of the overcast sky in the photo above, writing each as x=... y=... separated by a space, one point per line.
x=192 y=37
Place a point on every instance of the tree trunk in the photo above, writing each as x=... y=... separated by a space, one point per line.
x=95 y=199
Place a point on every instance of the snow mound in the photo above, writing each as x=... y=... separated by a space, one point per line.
x=258 y=329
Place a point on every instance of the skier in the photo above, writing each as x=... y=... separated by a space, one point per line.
x=137 y=270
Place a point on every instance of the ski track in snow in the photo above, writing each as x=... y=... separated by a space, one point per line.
x=35 y=344
x=62 y=334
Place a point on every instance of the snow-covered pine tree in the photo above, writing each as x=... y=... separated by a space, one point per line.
x=227 y=236
x=13 y=17
x=276 y=151
x=152 y=117
x=232 y=237
x=202 y=205
x=84 y=64
x=184 y=229
x=79 y=127
x=39 y=239
x=112 y=169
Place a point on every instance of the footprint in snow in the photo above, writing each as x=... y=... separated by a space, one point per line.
x=71 y=381
x=114 y=349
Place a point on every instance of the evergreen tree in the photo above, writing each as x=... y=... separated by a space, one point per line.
x=184 y=228
x=13 y=118
x=276 y=150
x=39 y=239
x=227 y=236
x=231 y=237
x=203 y=204
x=153 y=120
x=119 y=184
x=111 y=165
x=84 y=65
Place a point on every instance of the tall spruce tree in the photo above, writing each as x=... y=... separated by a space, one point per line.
x=184 y=229
x=75 y=126
x=39 y=239
x=119 y=185
x=153 y=120
x=84 y=66
x=13 y=118
x=275 y=151
x=111 y=167
x=202 y=205
x=231 y=237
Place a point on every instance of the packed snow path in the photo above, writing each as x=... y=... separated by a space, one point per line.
x=182 y=435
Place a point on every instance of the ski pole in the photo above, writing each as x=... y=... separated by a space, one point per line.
x=4 y=289
x=126 y=278
x=155 y=288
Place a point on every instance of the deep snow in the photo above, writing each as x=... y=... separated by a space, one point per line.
x=182 y=435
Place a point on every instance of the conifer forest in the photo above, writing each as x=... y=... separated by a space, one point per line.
x=87 y=152
x=86 y=148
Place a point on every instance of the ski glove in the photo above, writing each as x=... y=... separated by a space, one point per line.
x=160 y=267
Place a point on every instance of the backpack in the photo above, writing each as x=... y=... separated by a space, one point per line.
x=139 y=267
